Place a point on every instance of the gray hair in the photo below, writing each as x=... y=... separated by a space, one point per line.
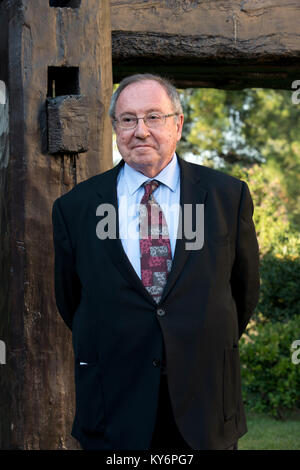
x=140 y=77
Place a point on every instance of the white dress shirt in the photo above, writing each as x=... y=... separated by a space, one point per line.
x=130 y=192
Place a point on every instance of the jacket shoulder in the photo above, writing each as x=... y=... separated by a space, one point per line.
x=215 y=179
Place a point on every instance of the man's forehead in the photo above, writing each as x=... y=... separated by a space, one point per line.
x=148 y=93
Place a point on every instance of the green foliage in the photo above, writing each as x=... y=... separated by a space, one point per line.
x=245 y=127
x=271 y=382
x=275 y=231
x=280 y=293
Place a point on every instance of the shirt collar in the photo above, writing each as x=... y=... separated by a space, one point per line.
x=169 y=176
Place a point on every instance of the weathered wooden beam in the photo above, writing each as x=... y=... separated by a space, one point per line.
x=181 y=37
x=37 y=381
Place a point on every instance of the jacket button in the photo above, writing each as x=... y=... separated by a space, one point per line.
x=161 y=312
x=156 y=362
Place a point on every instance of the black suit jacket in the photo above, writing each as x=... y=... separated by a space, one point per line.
x=118 y=331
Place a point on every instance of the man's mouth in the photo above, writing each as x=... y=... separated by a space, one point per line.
x=142 y=146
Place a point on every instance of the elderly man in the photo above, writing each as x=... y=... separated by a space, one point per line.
x=156 y=274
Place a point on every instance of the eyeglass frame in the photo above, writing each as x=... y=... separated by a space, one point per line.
x=164 y=116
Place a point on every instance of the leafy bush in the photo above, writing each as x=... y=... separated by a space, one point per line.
x=270 y=212
x=280 y=293
x=271 y=382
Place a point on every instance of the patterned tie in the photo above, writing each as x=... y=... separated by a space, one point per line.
x=156 y=257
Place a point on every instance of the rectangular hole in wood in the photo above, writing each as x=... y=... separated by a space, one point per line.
x=63 y=81
x=65 y=3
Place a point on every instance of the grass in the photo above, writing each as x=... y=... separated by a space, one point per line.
x=267 y=433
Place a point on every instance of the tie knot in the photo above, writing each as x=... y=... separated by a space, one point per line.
x=149 y=187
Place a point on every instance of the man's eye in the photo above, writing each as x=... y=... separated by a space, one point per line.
x=127 y=119
x=153 y=117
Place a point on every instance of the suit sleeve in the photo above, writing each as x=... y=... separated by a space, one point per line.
x=67 y=283
x=245 y=281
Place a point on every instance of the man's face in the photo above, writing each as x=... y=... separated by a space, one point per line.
x=146 y=149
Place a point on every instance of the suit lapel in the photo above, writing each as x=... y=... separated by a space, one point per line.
x=190 y=193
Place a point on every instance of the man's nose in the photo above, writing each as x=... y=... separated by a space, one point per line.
x=141 y=130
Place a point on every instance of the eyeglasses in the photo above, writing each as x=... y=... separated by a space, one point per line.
x=152 y=120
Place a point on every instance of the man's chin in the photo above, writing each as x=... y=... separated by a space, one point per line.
x=144 y=152
x=146 y=157
x=144 y=164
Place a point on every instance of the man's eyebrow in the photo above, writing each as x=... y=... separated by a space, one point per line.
x=152 y=110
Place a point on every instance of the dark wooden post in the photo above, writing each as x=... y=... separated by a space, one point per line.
x=58 y=54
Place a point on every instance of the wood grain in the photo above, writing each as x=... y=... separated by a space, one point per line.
x=167 y=35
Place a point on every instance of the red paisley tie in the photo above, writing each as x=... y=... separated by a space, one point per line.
x=156 y=257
